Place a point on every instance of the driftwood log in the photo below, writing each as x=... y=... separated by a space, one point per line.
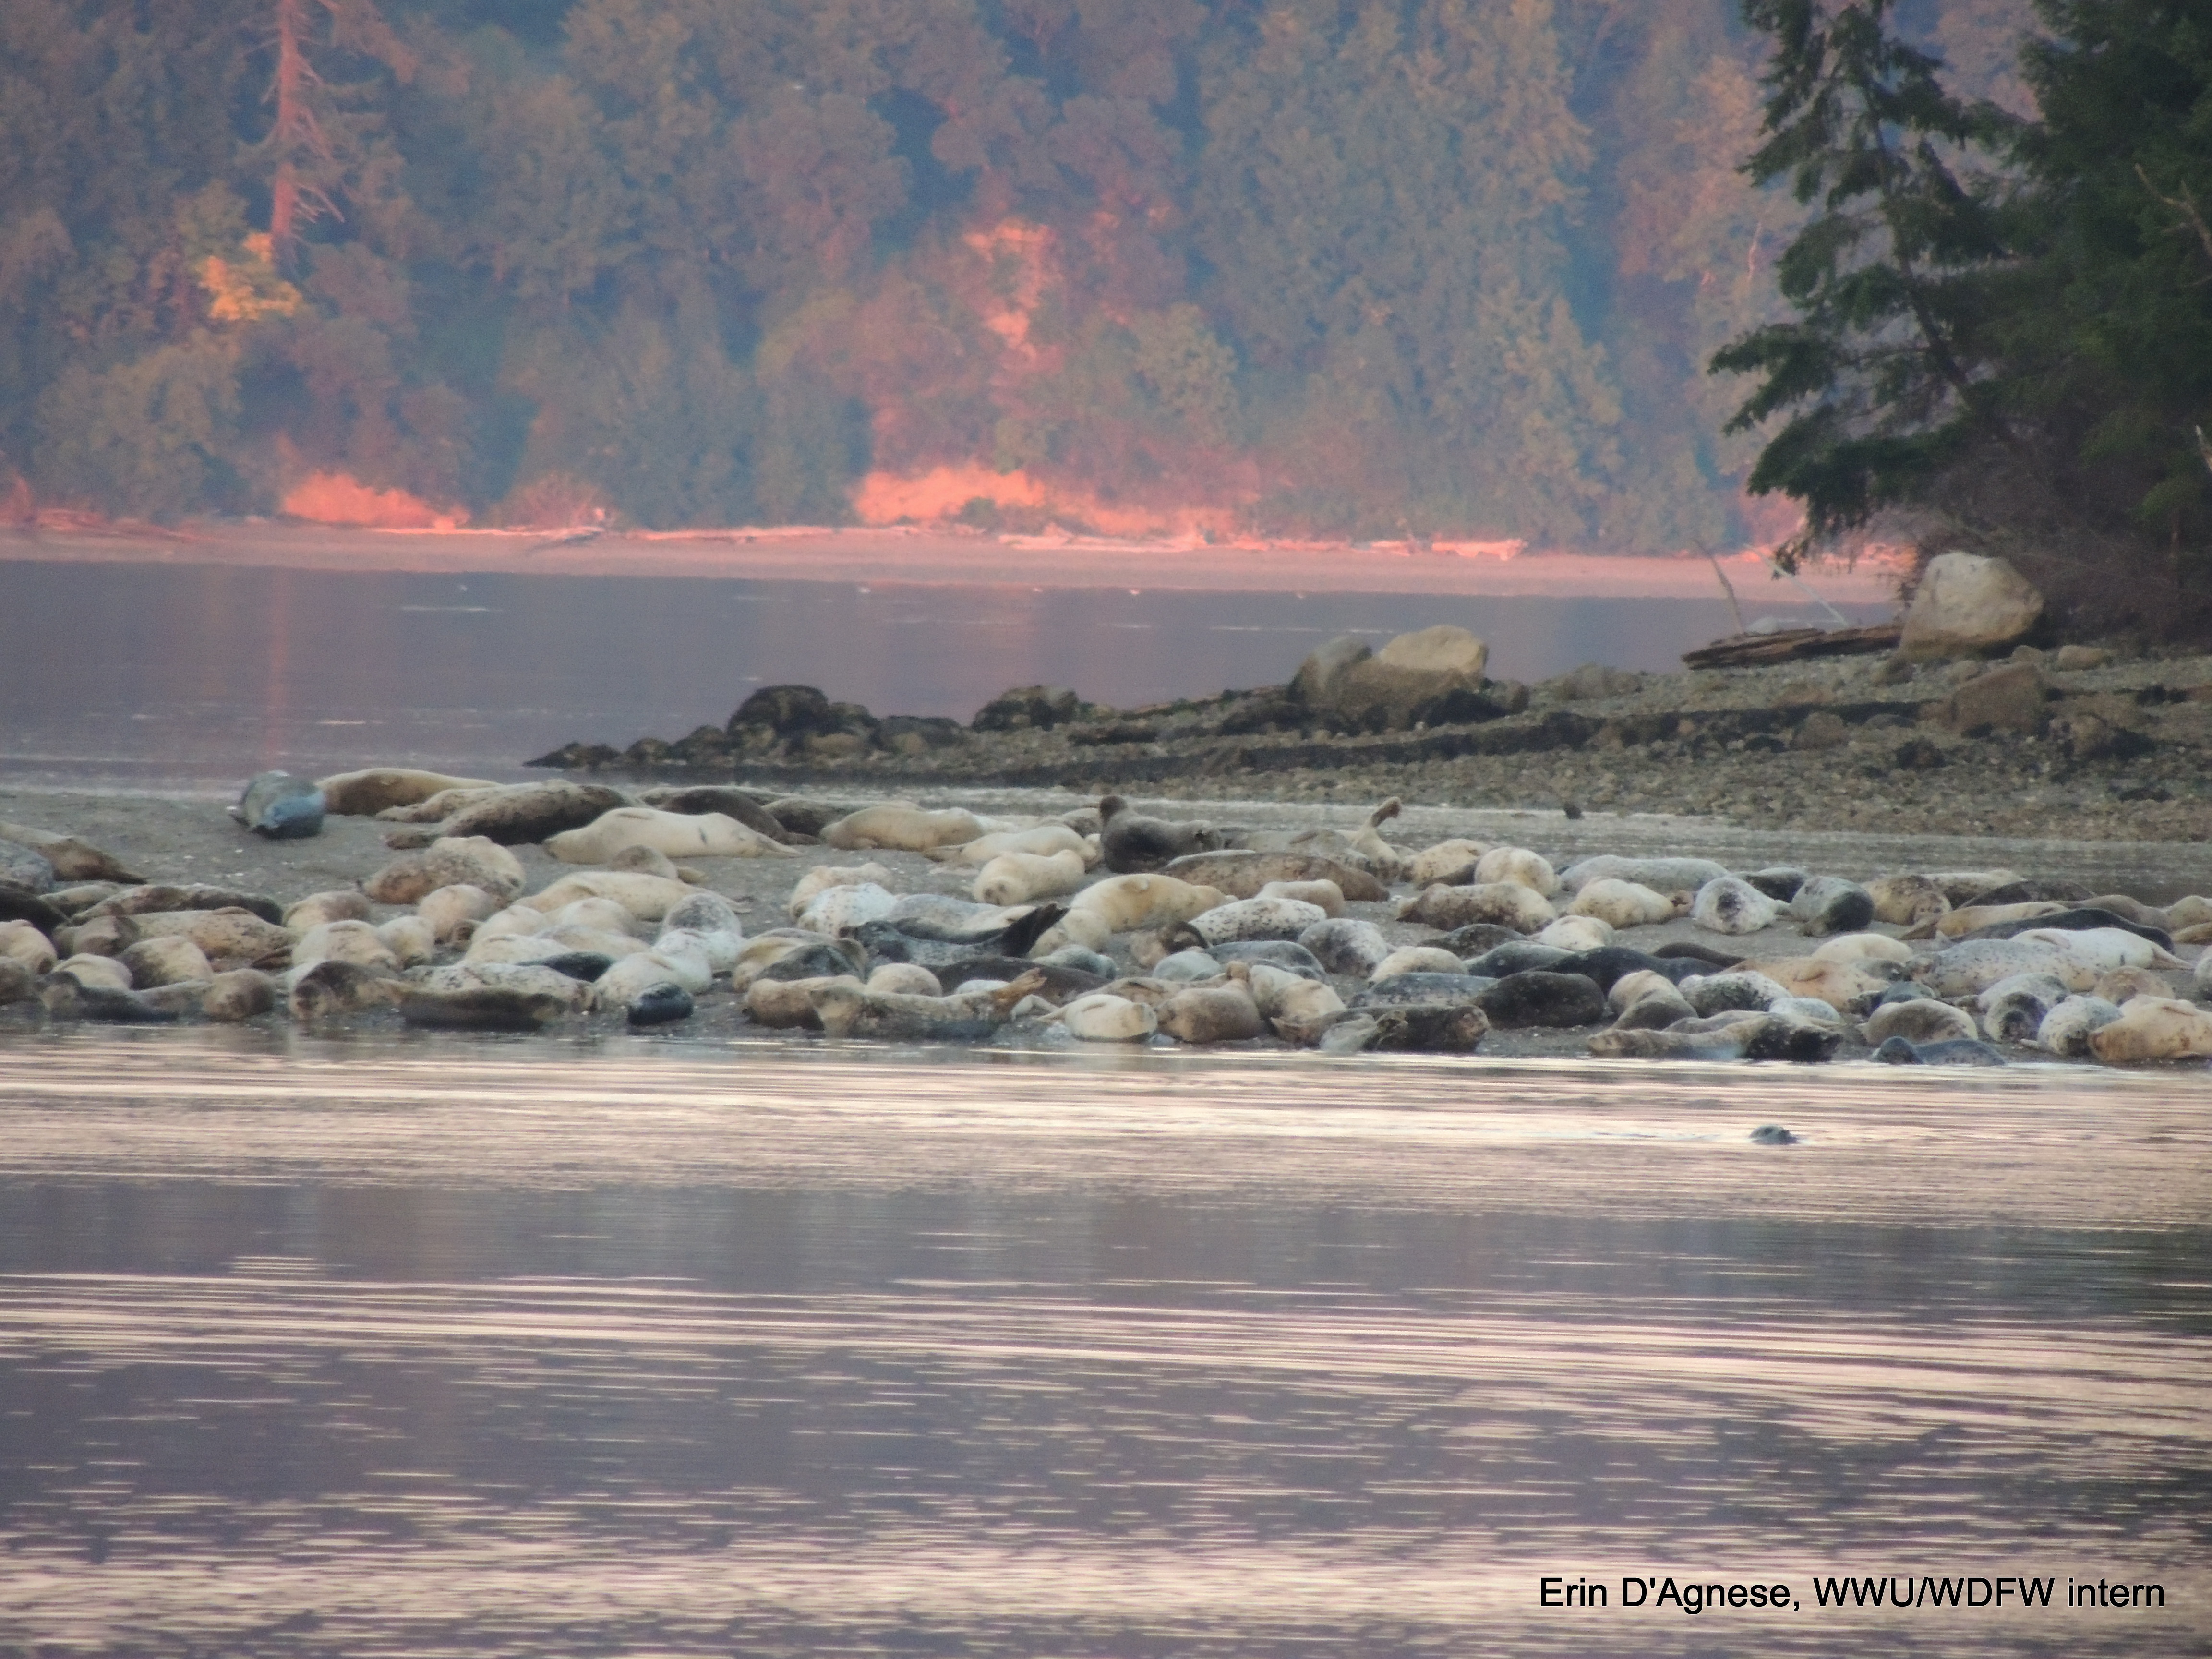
x=1788 y=644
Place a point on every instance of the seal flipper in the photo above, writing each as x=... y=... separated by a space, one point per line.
x=1024 y=932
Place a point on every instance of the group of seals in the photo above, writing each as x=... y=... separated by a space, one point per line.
x=1112 y=926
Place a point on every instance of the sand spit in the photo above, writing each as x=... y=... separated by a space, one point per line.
x=1493 y=932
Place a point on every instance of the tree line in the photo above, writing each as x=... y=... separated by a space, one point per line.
x=1424 y=267
x=1997 y=318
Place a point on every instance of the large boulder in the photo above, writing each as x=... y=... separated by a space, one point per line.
x=1432 y=677
x=1968 y=606
x=2007 y=699
x=1441 y=650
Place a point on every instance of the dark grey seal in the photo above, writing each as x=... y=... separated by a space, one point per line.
x=1134 y=844
x=280 y=806
x=1539 y=998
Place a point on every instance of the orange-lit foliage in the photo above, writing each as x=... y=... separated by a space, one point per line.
x=334 y=498
x=945 y=493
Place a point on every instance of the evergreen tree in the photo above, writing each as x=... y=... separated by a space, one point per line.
x=1888 y=372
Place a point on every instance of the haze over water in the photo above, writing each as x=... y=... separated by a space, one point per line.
x=446 y=1348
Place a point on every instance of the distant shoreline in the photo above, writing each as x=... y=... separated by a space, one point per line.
x=941 y=558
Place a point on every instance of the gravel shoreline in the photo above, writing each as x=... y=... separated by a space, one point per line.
x=2120 y=751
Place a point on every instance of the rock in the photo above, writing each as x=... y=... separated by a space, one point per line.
x=1433 y=677
x=2007 y=699
x=1029 y=707
x=1822 y=730
x=1315 y=682
x=1590 y=681
x=1969 y=606
x=779 y=714
x=916 y=734
x=1441 y=650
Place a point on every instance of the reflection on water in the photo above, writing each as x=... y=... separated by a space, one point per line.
x=439 y=1349
x=208 y=672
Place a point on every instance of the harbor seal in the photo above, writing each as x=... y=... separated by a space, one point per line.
x=343 y=941
x=481 y=1007
x=1907 y=900
x=1044 y=840
x=1242 y=873
x=454 y=910
x=281 y=807
x=1662 y=875
x=230 y=939
x=2154 y=1028
x=1424 y=1029
x=331 y=990
x=1346 y=945
x=1325 y=894
x=337 y=904
x=1655 y=1010
x=649 y=898
x=151 y=899
x=732 y=802
x=67 y=858
x=1504 y=904
x=1447 y=863
x=454 y=860
x=823 y=877
x=1518 y=864
x=377 y=789
x=1131 y=843
x=2067 y=1029
x=1620 y=903
x=900 y=827
x=1954 y=1051
x=1969 y=969
x=1920 y=1019
x=1431 y=990
x=66 y=998
x=673 y=835
x=1125 y=902
x=1022 y=878
x=1540 y=998
x=1732 y=905
x=847 y=1010
x=171 y=961
x=1829 y=905
x=1220 y=1013
x=1416 y=959
x=515 y=814
x=21 y=942
x=2012 y=1009
x=1515 y=956
x=1101 y=1017
x=1254 y=919
x=787 y=1004
x=1576 y=934
x=1299 y=1009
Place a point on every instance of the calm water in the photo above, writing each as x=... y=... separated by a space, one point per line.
x=158 y=674
x=502 y=1348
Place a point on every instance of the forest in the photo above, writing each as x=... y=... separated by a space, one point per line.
x=1345 y=267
